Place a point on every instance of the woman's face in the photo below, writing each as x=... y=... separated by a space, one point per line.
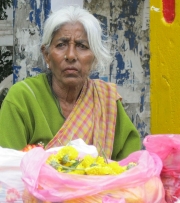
x=69 y=56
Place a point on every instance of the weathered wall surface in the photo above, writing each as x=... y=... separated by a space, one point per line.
x=6 y=53
x=29 y=17
x=165 y=69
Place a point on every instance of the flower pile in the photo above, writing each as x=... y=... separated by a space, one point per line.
x=66 y=160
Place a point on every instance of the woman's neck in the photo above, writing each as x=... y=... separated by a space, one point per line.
x=67 y=96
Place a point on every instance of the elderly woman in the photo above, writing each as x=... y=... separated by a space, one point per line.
x=64 y=104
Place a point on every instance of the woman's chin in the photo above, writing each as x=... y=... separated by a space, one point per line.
x=70 y=81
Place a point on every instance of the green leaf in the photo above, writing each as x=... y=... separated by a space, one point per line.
x=94 y=164
x=103 y=153
x=65 y=159
x=74 y=165
x=54 y=164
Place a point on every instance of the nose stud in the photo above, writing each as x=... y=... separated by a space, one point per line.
x=69 y=59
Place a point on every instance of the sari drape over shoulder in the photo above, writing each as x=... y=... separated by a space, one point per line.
x=92 y=119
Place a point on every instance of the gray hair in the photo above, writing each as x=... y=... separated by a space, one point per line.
x=92 y=27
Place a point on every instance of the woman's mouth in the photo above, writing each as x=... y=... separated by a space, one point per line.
x=70 y=70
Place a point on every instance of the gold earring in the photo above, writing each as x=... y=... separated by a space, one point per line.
x=65 y=57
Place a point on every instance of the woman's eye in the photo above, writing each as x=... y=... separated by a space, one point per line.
x=82 y=46
x=61 y=45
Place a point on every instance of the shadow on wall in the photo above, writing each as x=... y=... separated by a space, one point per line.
x=5 y=70
x=5 y=54
x=3 y=94
x=4 y=4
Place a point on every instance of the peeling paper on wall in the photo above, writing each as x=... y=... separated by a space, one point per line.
x=155 y=9
x=145 y=24
x=56 y=4
x=38 y=3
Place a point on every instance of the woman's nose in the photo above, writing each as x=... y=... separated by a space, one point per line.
x=71 y=54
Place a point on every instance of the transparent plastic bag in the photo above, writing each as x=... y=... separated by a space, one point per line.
x=167 y=147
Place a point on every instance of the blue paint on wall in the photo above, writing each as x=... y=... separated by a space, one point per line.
x=36 y=15
x=124 y=21
x=103 y=21
x=142 y=102
x=16 y=70
x=31 y=16
x=15 y=3
x=37 y=69
x=14 y=8
x=47 y=8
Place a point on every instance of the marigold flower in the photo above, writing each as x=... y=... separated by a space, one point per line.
x=99 y=170
x=116 y=167
x=51 y=158
x=66 y=161
x=100 y=161
x=79 y=170
x=69 y=151
x=87 y=161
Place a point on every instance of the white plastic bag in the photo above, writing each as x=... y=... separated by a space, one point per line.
x=81 y=147
x=11 y=185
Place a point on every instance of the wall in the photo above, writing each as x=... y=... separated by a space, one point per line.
x=165 y=69
x=29 y=17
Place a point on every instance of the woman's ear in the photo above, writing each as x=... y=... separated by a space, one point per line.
x=45 y=53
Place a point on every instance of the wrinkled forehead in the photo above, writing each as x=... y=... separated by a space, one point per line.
x=71 y=29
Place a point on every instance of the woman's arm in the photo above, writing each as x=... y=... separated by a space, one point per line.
x=127 y=138
x=12 y=128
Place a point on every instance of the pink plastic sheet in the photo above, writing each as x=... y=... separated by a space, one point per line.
x=140 y=184
x=167 y=147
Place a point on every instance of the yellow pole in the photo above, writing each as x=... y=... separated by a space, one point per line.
x=164 y=70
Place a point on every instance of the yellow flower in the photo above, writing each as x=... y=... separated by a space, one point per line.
x=87 y=161
x=79 y=170
x=131 y=165
x=69 y=163
x=116 y=168
x=100 y=161
x=59 y=169
x=66 y=161
x=51 y=158
x=99 y=170
x=67 y=151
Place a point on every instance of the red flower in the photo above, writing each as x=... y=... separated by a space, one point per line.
x=12 y=195
x=31 y=146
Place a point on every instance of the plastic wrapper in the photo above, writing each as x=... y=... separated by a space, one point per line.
x=11 y=184
x=167 y=147
x=140 y=184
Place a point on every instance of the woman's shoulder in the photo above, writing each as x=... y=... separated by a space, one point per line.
x=35 y=80
x=23 y=87
x=38 y=79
